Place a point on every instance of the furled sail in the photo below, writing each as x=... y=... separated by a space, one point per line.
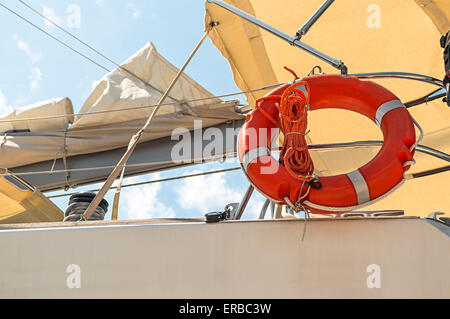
x=46 y=136
x=55 y=114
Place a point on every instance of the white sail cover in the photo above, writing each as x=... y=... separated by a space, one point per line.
x=369 y=36
x=57 y=114
x=115 y=110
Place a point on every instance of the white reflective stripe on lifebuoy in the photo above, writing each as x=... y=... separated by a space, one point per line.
x=385 y=108
x=253 y=154
x=360 y=185
x=354 y=207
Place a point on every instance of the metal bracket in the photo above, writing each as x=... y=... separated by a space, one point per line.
x=231 y=209
x=216 y=217
x=291 y=40
x=434 y=216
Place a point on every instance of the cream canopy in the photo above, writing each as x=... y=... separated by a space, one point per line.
x=389 y=35
x=22 y=203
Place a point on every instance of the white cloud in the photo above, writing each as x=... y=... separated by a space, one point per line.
x=4 y=107
x=135 y=12
x=35 y=78
x=206 y=193
x=212 y=192
x=51 y=15
x=22 y=45
x=142 y=201
x=100 y=3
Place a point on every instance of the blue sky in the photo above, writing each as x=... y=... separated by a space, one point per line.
x=35 y=68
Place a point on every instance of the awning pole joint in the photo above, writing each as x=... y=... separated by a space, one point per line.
x=291 y=40
x=313 y=19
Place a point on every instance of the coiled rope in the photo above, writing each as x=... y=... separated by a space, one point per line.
x=76 y=210
x=293 y=110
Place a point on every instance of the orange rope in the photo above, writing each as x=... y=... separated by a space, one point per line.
x=293 y=114
x=292 y=72
x=293 y=111
x=259 y=108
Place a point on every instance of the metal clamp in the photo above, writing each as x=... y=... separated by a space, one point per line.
x=316 y=15
x=434 y=216
x=215 y=217
x=315 y=183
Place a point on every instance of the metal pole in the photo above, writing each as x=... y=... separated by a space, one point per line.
x=278 y=211
x=316 y=15
x=243 y=203
x=272 y=209
x=419 y=148
x=262 y=214
x=291 y=40
x=400 y=75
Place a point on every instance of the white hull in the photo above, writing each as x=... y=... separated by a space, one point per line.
x=239 y=259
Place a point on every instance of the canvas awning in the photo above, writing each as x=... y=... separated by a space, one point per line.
x=389 y=35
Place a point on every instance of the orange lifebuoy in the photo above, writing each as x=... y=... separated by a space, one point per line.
x=342 y=192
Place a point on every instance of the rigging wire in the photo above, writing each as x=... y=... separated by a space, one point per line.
x=140 y=107
x=55 y=38
x=415 y=102
x=87 y=169
x=413 y=175
x=68 y=32
x=408 y=104
x=425 y=99
x=315 y=147
x=156 y=181
x=131 y=73
x=102 y=67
